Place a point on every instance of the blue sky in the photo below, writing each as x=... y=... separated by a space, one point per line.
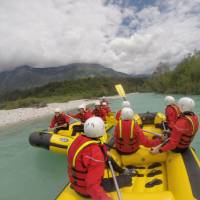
x=131 y=36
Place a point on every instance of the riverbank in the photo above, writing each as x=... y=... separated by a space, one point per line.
x=8 y=117
x=12 y=116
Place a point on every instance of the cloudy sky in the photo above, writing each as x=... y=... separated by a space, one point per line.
x=131 y=36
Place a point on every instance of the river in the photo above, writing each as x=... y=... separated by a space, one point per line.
x=31 y=173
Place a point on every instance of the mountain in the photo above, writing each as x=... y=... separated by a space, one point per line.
x=26 y=77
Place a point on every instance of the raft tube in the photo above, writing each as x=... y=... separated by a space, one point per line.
x=60 y=142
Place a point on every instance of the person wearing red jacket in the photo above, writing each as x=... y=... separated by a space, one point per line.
x=103 y=99
x=172 y=111
x=60 y=121
x=184 y=129
x=128 y=135
x=125 y=104
x=98 y=111
x=86 y=169
x=82 y=115
x=106 y=108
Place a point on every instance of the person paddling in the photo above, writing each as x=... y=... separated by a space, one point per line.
x=184 y=129
x=86 y=161
x=128 y=135
x=98 y=111
x=125 y=104
x=83 y=114
x=172 y=111
x=60 y=120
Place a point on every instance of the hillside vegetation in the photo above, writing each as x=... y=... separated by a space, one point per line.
x=67 y=90
x=184 y=79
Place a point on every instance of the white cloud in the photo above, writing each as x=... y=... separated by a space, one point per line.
x=58 y=32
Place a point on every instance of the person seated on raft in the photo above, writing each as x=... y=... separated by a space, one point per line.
x=128 y=135
x=60 y=121
x=106 y=108
x=86 y=170
x=172 y=111
x=125 y=104
x=103 y=99
x=184 y=129
x=98 y=111
x=82 y=115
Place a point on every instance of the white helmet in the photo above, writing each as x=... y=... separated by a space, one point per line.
x=186 y=104
x=97 y=103
x=94 y=127
x=127 y=114
x=169 y=100
x=82 y=106
x=104 y=104
x=126 y=104
x=57 y=110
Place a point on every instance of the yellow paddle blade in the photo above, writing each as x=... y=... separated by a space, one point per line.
x=120 y=90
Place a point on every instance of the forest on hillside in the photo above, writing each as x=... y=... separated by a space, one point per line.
x=184 y=79
x=68 y=90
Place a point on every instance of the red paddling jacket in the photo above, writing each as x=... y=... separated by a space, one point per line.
x=86 y=164
x=59 y=120
x=83 y=116
x=100 y=113
x=172 y=113
x=182 y=133
x=128 y=136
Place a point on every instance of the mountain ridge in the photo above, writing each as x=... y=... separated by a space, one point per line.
x=27 y=77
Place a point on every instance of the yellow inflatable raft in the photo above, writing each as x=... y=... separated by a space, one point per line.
x=60 y=142
x=166 y=176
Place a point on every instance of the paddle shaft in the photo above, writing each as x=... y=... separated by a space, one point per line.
x=153 y=133
x=160 y=145
x=115 y=181
x=164 y=126
x=73 y=118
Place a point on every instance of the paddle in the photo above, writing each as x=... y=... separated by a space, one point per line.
x=120 y=91
x=73 y=118
x=153 y=133
x=115 y=181
x=57 y=127
x=159 y=146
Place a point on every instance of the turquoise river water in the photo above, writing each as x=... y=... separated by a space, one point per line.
x=28 y=173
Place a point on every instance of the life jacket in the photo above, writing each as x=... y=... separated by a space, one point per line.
x=84 y=116
x=175 y=108
x=100 y=113
x=60 y=120
x=126 y=142
x=96 y=112
x=76 y=170
x=118 y=115
x=187 y=136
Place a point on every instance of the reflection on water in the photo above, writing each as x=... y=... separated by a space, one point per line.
x=30 y=173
